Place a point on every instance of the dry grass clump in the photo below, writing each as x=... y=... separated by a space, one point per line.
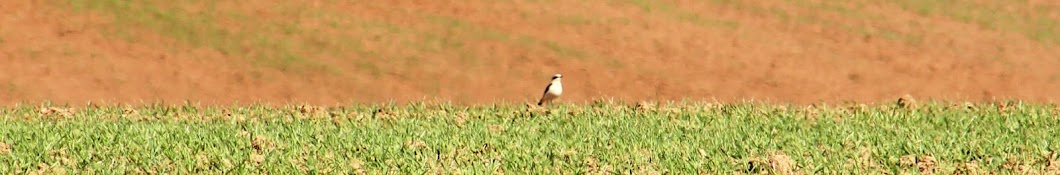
x=923 y=164
x=907 y=160
x=384 y=114
x=969 y=168
x=533 y=109
x=645 y=106
x=460 y=119
x=5 y=148
x=56 y=112
x=863 y=160
x=858 y=108
x=309 y=110
x=416 y=144
x=1003 y=107
x=1056 y=111
x=261 y=144
x=906 y=102
x=357 y=165
x=927 y=164
x=1053 y=165
x=257 y=158
x=967 y=106
x=781 y=163
x=592 y=166
x=774 y=163
x=496 y=129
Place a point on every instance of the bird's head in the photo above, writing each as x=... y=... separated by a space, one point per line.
x=557 y=76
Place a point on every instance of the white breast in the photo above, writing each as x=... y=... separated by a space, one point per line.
x=556 y=88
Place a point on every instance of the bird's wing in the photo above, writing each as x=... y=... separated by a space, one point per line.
x=544 y=96
x=546 y=88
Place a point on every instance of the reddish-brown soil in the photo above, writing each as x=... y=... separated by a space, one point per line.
x=484 y=51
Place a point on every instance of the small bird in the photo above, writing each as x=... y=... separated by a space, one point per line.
x=552 y=91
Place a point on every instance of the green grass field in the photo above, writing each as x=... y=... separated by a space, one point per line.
x=599 y=138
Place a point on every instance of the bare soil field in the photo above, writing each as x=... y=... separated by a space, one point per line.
x=487 y=51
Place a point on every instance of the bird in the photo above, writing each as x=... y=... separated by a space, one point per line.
x=552 y=91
